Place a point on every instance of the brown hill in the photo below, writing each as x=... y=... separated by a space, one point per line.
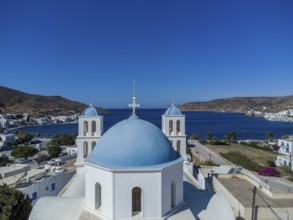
x=13 y=101
x=242 y=104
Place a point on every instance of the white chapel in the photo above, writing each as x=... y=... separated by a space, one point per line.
x=133 y=171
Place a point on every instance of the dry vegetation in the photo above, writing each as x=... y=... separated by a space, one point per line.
x=13 y=101
x=255 y=155
x=242 y=104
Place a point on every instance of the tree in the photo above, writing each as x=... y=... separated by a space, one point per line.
x=228 y=136
x=14 y=204
x=24 y=152
x=194 y=136
x=3 y=161
x=209 y=136
x=37 y=135
x=63 y=139
x=270 y=136
x=54 y=150
x=24 y=138
x=234 y=136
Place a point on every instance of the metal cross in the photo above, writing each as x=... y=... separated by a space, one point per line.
x=133 y=105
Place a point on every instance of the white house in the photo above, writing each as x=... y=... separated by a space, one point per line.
x=285 y=149
x=6 y=138
x=71 y=150
x=48 y=181
x=4 y=123
x=285 y=145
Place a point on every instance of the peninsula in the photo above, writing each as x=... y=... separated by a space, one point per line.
x=242 y=104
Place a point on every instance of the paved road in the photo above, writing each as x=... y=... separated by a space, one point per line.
x=277 y=183
x=205 y=152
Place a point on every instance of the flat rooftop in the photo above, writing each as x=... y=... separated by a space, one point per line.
x=241 y=189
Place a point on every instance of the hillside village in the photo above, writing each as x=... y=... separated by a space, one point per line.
x=285 y=115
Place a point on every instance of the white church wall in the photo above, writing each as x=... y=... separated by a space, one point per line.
x=172 y=174
x=150 y=184
x=105 y=179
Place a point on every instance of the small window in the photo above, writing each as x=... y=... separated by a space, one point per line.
x=178 y=146
x=98 y=193
x=136 y=200
x=93 y=128
x=34 y=196
x=47 y=188
x=85 y=128
x=53 y=187
x=85 y=149
x=93 y=145
x=173 y=195
x=178 y=127
x=170 y=127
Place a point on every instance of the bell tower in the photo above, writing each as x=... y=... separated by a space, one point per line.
x=173 y=126
x=90 y=130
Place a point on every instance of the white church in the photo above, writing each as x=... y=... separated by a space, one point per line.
x=133 y=171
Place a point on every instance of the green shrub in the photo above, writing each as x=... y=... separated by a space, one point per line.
x=256 y=146
x=188 y=151
x=3 y=161
x=219 y=142
x=242 y=160
x=271 y=163
x=209 y=163
x=14 y=204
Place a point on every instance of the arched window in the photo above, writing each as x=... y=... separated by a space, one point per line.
x=94 y=128
x=85 y=128
x=173 y=195
x=170 y=127
x=178 y=146
x=93 y=145
x=85 y=149
x=178 y=126
x=98 y=193
x=136 y=200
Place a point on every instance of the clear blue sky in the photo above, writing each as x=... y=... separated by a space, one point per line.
x=175 y=50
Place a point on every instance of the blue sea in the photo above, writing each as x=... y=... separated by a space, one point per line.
x=196 y=122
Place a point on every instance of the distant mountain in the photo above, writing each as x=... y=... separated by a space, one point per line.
x=13 y=101
x=242 y=104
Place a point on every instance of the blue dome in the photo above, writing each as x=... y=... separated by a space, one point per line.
x=132 y=143
x=172 y=110
x=90 y=111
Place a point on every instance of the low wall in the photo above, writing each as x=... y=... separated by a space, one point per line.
x=14 y=171
x=262 y=213
x=237 y=208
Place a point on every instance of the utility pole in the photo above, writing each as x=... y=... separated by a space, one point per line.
x=253 y=203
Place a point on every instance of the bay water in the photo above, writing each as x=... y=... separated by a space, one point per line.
x=196 y=122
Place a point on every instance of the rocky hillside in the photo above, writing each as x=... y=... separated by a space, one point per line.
x=242 y=104
x=13 y=101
